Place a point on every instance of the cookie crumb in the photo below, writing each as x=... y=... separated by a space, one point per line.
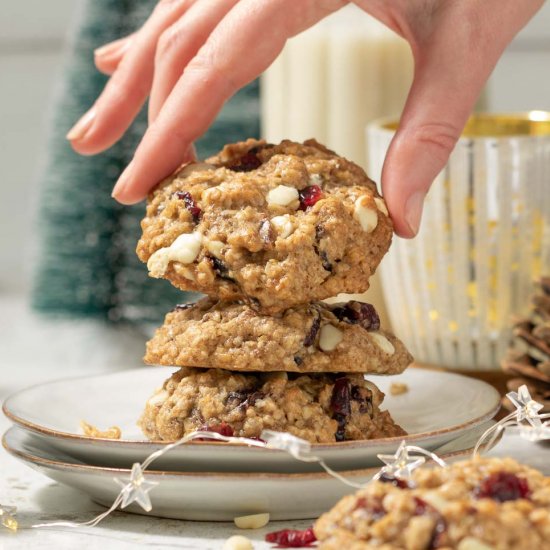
x=91 y=431
x=254 y=521
x=398 y=388
x=238 y=542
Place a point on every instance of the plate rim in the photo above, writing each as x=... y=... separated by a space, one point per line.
x=61 y=465
x=362 y=443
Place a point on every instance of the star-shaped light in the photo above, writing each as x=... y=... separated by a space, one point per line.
x=401 y=464
x=527 y=408
x=7 y=517
x=136 y=489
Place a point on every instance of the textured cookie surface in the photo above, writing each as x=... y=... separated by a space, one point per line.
x=316 y=337
x=319 y=408
x=480 y=504
x=276 y=225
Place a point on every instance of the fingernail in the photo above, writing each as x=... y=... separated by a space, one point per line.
x=122 y=182
x=413 y=210
x=111 y=49
x=79 y=130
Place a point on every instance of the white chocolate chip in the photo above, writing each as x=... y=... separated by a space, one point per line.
x=316 y=179
x=238 y=542
x=158 y=399
x=252 y=522
x=366 y=216
x=215 y=248
x=437 y=501
x=471 y=543
x=282 y=195
x=382 y=342
x=184 y=249
x=195 y=167
x=282 y=225
x=381 y=205
x=329 y=337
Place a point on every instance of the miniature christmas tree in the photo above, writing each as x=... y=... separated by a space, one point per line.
x=87 y=265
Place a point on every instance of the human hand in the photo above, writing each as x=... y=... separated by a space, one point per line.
x=192 y=55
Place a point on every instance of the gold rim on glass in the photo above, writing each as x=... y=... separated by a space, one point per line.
x=496 y=125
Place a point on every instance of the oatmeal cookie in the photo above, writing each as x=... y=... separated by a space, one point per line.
x=276 y=225
x=479 y=504
x=315 y=337
x=320 y=408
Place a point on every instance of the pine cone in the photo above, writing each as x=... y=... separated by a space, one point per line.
x=529 y=355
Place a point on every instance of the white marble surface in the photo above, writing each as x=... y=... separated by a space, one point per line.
x=40 y=500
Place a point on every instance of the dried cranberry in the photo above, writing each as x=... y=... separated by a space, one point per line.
x=342 y=420
x=358 y=313
x=220 y=268
x=373 y=506
x=248 y=162
x=340 y=402
x=309 y=196
x=327 y=266
x=223 y=429
x=341 y=406
x=395 y=481
x=190 y=204
x=503 y=486
x=292 y=538
x=309 y=340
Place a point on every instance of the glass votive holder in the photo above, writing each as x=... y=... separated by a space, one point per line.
x=452 y=292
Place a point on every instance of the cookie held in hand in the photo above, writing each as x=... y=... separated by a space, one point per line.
x=275 y=225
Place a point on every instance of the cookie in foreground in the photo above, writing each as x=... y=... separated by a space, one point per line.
x=276 y=225
x=320 y=408
x=316 y=337
x=477 y=504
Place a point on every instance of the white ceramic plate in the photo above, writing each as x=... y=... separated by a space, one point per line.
x=438 y=407
x=209 y=496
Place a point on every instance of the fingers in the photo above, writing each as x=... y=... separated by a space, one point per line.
x=239 y=49
x=123 y=96
x=179 y=44
x=453 y=59
x=108 y=57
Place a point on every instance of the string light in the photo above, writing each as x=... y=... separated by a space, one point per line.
x=526 y=420
x=7 y=517
x=135 y=489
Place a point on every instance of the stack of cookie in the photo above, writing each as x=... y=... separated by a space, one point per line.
x=267 y=231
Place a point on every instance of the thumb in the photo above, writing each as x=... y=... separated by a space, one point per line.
x=452 y=64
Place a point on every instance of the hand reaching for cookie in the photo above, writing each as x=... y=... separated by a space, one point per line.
x=191 y=55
